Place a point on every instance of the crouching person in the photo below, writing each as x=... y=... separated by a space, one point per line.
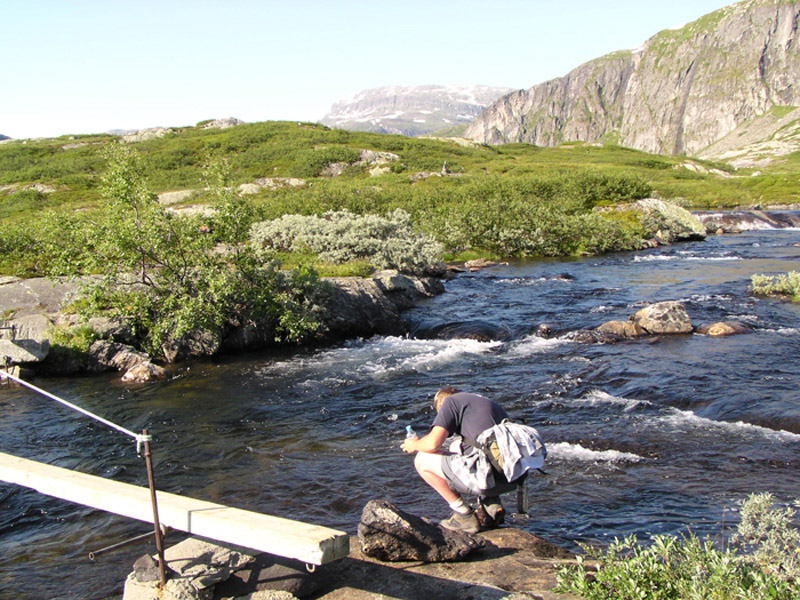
x=466 y=470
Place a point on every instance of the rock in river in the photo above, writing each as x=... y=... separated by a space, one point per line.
x=390 y=534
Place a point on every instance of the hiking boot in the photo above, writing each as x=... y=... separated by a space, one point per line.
x=494 y=508
x=466 y=523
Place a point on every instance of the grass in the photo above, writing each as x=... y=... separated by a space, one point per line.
x=506 y=201
x=72 y=164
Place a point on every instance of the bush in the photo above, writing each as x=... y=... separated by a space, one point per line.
x=672 y=568
x=311 y=163
x=785 y=284
x=341 y=236
x=166 y=277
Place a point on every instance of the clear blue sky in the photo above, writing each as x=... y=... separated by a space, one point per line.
x=73 y=66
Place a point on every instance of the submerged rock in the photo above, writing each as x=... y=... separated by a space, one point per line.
x=144 y=372
x=661 y=318
x=481 y=331
x=722 y=328
x=390 y=534
x=622 y=329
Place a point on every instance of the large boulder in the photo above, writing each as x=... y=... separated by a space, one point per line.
x=104 y=355
x=390 y=534
x=34 y=327
x=405 y=291
x=663 y=317
x=112 y=329
x=669 y=222
x=358 y=307
x=663 y=221
x=36 y=296
x=195 y=344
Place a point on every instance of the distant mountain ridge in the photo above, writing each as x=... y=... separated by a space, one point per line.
x=682 y=91
x=412 y=110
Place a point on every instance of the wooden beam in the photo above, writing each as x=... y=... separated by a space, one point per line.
x=311 y=544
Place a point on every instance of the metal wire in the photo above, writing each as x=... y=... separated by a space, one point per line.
x=140 y=438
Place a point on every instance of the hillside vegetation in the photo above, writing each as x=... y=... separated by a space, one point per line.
x=511 y=200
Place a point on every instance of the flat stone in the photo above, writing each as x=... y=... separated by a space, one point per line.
x=24 y=351
x=34 y=327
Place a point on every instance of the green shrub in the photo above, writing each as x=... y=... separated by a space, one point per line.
x=785 y=284
x=69 y=345
x=671 y=568
x=313 y=162
x=341 y=236
x=766 y=533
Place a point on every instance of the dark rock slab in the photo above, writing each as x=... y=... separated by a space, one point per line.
x=274 y=573
x=390 y=534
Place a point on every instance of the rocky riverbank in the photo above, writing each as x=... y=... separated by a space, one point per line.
x=354 y=307
x=32 y=309
x=424 y=561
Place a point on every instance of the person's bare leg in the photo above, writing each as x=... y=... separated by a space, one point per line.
x=429 y=466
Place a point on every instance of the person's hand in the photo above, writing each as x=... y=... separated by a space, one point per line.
x=409 y=445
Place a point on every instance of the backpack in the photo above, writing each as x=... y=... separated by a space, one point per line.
x=512 y=449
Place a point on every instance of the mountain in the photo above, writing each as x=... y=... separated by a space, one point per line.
x=4 y=137
x=685 y=90
x=412 y=111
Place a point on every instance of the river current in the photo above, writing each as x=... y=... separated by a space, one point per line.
x=657 y=435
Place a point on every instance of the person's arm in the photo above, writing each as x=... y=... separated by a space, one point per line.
x=430 y=443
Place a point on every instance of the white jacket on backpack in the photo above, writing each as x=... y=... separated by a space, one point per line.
x=521 y=447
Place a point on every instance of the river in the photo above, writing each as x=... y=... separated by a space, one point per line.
x=645 y=437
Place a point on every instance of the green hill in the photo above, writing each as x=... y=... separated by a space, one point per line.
x=509 y=200
x=64 y=172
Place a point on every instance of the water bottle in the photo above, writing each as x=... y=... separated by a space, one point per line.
x=410 y=433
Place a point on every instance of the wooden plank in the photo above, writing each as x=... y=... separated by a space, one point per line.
x=311 y=544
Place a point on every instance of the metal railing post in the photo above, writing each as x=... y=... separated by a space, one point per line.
x=162 y=567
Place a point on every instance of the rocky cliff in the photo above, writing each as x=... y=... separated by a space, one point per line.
x=412 y=110
x=681 y=92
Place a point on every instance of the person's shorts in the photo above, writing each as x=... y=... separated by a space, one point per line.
x=461 y=486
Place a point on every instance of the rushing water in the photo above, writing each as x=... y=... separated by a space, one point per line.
x=646 y=437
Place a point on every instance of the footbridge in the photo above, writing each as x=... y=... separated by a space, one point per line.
x=288 y=538
x=310 y=544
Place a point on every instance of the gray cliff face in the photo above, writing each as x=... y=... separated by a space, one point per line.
x=411 y=111
x=680 y=92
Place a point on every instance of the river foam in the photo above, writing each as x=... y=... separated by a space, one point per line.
x=577 y=453
x=378 y=357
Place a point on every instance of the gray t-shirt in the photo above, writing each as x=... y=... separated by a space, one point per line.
x=468 y=414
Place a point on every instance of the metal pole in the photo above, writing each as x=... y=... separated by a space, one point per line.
x=133 y=540
x=162 y=567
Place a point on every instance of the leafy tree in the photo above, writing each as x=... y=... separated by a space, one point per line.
x=167 y=276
